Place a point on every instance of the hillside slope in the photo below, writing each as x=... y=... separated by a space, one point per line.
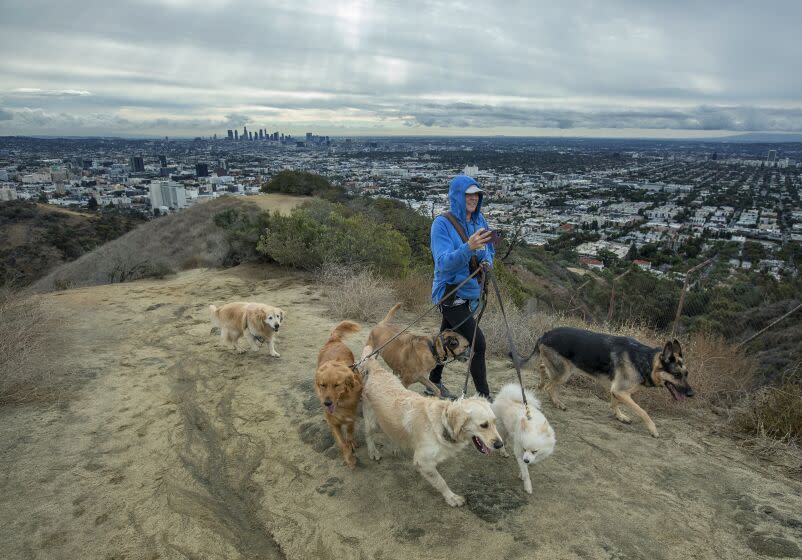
x=39 y=237
x=174 y=447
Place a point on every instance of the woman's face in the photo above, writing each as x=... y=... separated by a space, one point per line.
x=471 y=202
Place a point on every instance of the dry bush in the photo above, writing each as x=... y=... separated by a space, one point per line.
x=718 y=371
x=414 y=291
x=771 y=414
x=26 y=338
x=356 y=294
x=189 y=238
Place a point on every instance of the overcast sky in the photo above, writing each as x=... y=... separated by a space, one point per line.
x=602 y=68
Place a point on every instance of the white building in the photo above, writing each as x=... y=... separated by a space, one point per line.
x=167 y=194
x=8 y=193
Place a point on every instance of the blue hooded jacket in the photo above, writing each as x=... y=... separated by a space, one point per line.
x=451 y=254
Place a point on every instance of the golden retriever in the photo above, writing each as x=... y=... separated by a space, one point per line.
x=433 y=429
x=411 y=356
x=257 y=321
x=339 y=387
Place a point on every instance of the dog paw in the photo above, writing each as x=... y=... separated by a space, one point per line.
x=455 y=501
x=374 y=454
x=654 y=432
x=528 y=487
x=350 y=460
x=351 y=443
x=624 y=418
x=275 y=354
x=504 y=453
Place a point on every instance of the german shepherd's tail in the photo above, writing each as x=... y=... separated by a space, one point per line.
x=391 y=313
x=534 y=354
x=343 y=330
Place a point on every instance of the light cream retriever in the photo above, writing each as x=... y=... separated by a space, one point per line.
x=257 y=321
x=412 y=356
x=433 y=429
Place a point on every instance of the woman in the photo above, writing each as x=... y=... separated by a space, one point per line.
x=452 y=258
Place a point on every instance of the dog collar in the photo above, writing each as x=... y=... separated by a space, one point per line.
x=447 y=436
x=433 y=349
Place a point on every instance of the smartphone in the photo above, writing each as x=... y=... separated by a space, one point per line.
x=495 y=236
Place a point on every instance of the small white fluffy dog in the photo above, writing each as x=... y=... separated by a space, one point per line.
x=257 y=321
x=433 y=429
x=532 y=439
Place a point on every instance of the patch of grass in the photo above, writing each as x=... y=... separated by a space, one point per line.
x=356 y=294
x=772 y=412
x=27 y=338
x=414 y=290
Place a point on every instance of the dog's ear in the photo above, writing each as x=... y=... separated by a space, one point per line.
x=668 y=351
x=676 y=347
x=352 y=381
x=456 y=417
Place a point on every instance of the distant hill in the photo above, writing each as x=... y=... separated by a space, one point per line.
x=191 y=238
x=761 y=138
x=39 y=237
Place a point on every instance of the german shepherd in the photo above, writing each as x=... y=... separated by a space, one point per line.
x=621 y=362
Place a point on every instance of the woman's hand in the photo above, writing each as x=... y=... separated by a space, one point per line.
x=479 y=239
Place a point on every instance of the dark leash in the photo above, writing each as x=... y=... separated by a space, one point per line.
x=517 y=360
x=482 y=286
x=421 y=316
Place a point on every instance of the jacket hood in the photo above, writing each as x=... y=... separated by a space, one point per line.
x=456 y=196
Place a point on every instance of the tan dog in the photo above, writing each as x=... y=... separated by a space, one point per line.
x=433 y=429
x=339 y=388
x=257 y=321
x=411 y=356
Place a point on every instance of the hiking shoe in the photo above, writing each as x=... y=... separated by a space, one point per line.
x=444 y=393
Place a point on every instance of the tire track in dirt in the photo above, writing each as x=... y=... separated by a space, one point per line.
x=218 y=458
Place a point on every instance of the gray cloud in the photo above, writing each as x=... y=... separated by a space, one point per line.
x=466 y=115
x=172 y=64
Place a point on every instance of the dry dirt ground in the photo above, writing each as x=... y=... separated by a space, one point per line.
x=282 y=203
x=174 y=447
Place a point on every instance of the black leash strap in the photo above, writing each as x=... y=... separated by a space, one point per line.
x=482 y=284
x=516 y=358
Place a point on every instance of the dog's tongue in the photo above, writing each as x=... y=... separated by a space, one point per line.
x=480 y=445
x=331 y=408
x=674 y=393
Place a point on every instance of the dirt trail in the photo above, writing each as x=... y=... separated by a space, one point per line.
x=174 y=447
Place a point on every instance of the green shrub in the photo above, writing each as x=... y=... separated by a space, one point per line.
x=294 y=240
x=243 y=227
x=509 y=284
x=304 y=183
x=306 y=238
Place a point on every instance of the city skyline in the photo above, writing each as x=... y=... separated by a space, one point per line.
x=155 y=68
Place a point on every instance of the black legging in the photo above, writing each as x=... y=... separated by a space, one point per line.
x=454 y=315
